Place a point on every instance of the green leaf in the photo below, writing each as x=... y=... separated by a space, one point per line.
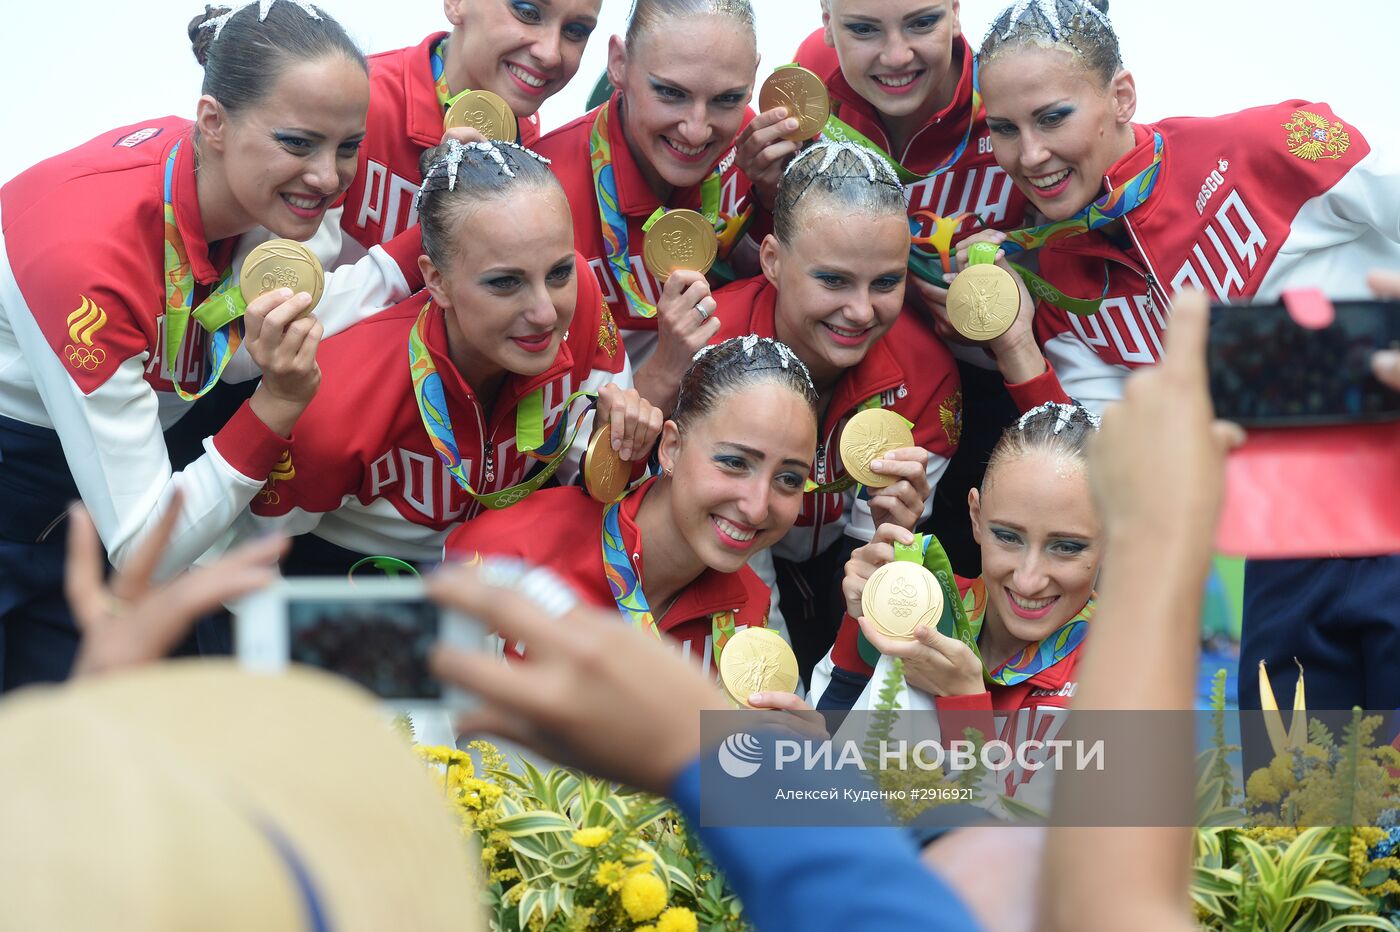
x=1334 y=894
x=1375 y=877
x=1355 y=921
x=534 y=823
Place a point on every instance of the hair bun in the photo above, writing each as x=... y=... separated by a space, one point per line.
x=201 y=37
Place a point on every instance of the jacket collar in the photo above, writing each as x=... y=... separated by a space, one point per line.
x=423 y=110
x=515 y=386
x=206 y=263
x=711 y=592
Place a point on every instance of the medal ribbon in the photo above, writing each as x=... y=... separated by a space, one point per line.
x=224 y=304
x=841 y=131
x=627 y=588
x=431 y=399
x=614 y=223
x=847 y=481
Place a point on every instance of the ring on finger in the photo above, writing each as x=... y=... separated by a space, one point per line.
x=703 y=310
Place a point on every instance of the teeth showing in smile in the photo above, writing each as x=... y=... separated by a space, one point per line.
x=1049 y=181
x=730 y=530
x=903 y=80
x=304 y=203
x=1029 y=605
x=525 y=76
x=684 y=150
x=843 y=332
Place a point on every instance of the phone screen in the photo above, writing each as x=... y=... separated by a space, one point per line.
x=1266 y=370
x=382 y=644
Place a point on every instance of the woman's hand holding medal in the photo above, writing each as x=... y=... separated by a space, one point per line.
x=635 y=422
x=685 y=322
x=933 y=662
x=764 y=149
x=901 y=502
x=281 y=337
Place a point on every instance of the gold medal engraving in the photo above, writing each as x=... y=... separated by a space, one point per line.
x=757 y=660
x=804 y=96
x=282 y=263
x=484 y=112
x=983 y=302
x=900 y=596
x=868 y=436
x=605 y=473
x=679 y=239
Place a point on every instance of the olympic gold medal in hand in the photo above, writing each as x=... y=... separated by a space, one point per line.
x=679 y=239
x=757 y=660
x=868 y=436
x=983 y=301
x=281 y=263
x=484 y=112
x=804 y=96
x=605 y=473
x=900 y=596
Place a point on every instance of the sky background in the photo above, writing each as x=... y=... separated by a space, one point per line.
x=69 y=71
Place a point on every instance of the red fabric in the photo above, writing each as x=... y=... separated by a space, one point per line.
x=1225 y=246
x=908 y=365
x=562 y=529
x=405 y=120
x=1042 y=389
x=85 y=229
x=568 y=149
x=974 y=183
x=362 y=435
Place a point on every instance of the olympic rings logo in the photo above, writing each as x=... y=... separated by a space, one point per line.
x=82 y=357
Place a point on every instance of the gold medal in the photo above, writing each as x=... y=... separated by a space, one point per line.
x=281 y=263
x=803 y=94
x=868 y=436
x=983 y=301
x=900 y=596
x=484 y=112
x=757 y=660
x=679 y=239
x=605 y=473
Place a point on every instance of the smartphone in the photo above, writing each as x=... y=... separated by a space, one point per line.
x=377 y=632
x=1266 y=370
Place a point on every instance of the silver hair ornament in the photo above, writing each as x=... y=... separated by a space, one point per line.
x=1063 y=414
x=1022 y=11
x=877 y=169
x=264 y=6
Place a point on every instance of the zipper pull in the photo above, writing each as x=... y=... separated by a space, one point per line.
x=490 y=461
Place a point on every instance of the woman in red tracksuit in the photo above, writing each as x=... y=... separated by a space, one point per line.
x=684 y=74
x=525 y=52
x=466 y=397
x=1028 y=613
x=1241 y=206
x=673 y=555
x=103 y=247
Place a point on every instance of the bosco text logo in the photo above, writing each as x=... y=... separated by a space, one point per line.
x=83 y=325
x=740 y=755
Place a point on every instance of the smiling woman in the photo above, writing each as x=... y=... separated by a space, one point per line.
x=105 y=245
x=672 y=556
x=665 y=140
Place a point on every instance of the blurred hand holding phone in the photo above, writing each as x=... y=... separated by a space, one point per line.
x=1320 y=468
x=377 y=632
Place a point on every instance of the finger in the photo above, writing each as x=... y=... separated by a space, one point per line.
x=904 y=470
x=1386 y=365
x=82 y=573
x=305 y=359
x=500 y=724
x=1228 y=434
x=890 y=533
x=258 y=309
x=134 y=576
x=617 y=417
x=769 y=119
x=1186 y=338
x=512 y=688
x=504 y=609
x=464 y=135
x=708 y=330
x=769 y=699
x=288 y=312
x=1384 y=284
x=893 y=647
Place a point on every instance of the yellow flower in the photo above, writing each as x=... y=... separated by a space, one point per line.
x=609 y=875
x=677 y=919
x=592 y=837
x=646 y=928
x=643 y=896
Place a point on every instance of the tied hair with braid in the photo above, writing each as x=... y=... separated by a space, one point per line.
x=857 y=179
x=1062 y=430
x=721 y=369
x=458 y=176
x=647 y=15
x=1076 y=26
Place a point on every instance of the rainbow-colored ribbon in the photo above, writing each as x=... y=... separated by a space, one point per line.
x=225 y=301
x=431 y=399
x=627 y=587
x=614 y=222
